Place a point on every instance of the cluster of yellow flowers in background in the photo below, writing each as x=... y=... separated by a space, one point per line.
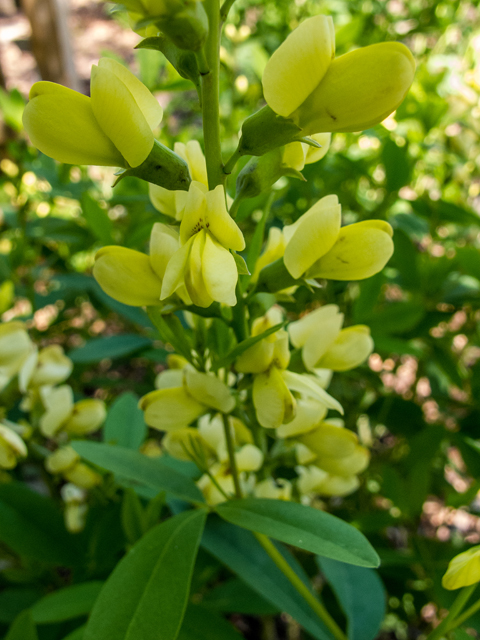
x=54 y=417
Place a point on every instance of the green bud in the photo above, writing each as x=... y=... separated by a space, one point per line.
x=259 y=174
x=275 y=277
x=264 y=131
x=162 y=167
x=188 y=28
x=184 y=62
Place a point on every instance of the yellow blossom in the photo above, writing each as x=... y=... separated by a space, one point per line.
x=325 y=344
x=66 y=461
x=204 y=263
x=463 y=570
x=49 y=366
x=297 y=154
x=275 y=489
x=318 y=247
x=134 y=278
x=303 y=81
x=15 y=348
x=12 y=447
x=61 y=414
x=112 y=128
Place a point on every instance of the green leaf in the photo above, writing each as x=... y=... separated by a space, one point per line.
x=77 y=634
x=97 y=219
x=246 y=344
x=397 y=317
x=183 y=61
x=361 y=595
x=201 y=624
x=23 y=628
x=125 y=425
x=241 y=265
x=133 y=465
x=109 y=347
x=146 y=595
x=33 y=527
x=133 y=516
x=234 y=596
x=239 y=550
x=171 y=331
x=397 y=166
x=67 y=603
x=303 y=527
x=14 y=600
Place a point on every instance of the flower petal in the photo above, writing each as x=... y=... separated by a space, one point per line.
x=351 y=347
x=170 y=409
x=127 y=276
x=309 y=388
x=360 y=89
x=146 y=102
x=87 y=416
x=209 y=390
x=60 y=122
x=314 y=154
x=349 y=465
x=194 y=280
x=174 y=277
x=219 y=272
x=299 y=64
x=313 y=323
x=164 y=242
x=329 y=441
x=220 y=223
x=119 y=116
x=309 y=414
x=194 y=213
x=274 y=404
x=362 y=249
x=314 y=235
x=193 y=155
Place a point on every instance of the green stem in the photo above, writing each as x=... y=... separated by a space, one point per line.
x=232 y=161
x=300 y=586
x=226 y=6
x=210 y=98
x=450 y=622
x=231 y=457
x=465 y=616
x=239 y=319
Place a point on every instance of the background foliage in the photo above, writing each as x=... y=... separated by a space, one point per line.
x=415 y=403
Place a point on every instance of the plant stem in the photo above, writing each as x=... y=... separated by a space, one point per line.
x=239 y=320
x=232 y=161
x=210 y=98
x=449 y=622
x=226 y=6
x=231 y=457
x=300 y=586
x=465 y=616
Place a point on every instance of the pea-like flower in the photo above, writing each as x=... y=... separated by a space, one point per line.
x=15 y=349
x=318 y=247
x=183 y=396
x=62 y=414
x=49 y=366
x=134 y=278
x=303 y=81
x=112 y=128
x=204 y=263
x=66 y=461
x=463 y=570
x=12 y=447
x=325 y=344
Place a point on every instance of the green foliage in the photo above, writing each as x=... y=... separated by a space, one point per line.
x=302 y=527
x=147 y=593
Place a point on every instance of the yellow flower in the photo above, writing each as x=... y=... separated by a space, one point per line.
x=184 y=396
x=172 y=203
x=61 y=414
x=134 y=278
x=204 y=263
x=12 y=447
x=15 y=348
x=297 y=154
x=463 y=570
x=66 y=461
x=274 y=249
x=112 y=128
x=303 y=81
x=325 y=344
x=50 y=366
x=318 y=247
x=275 y=489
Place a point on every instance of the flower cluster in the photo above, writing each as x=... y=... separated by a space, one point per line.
x=52 y=416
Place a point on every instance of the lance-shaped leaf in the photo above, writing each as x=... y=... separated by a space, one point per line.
x=23 y=628
x=133 y=465
x=361 y=595
x=67 y=603
x=146 y=595
x=303 y=527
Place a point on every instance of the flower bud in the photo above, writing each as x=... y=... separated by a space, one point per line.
x=275 y=489
x=87 y=416
x=12 y=447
